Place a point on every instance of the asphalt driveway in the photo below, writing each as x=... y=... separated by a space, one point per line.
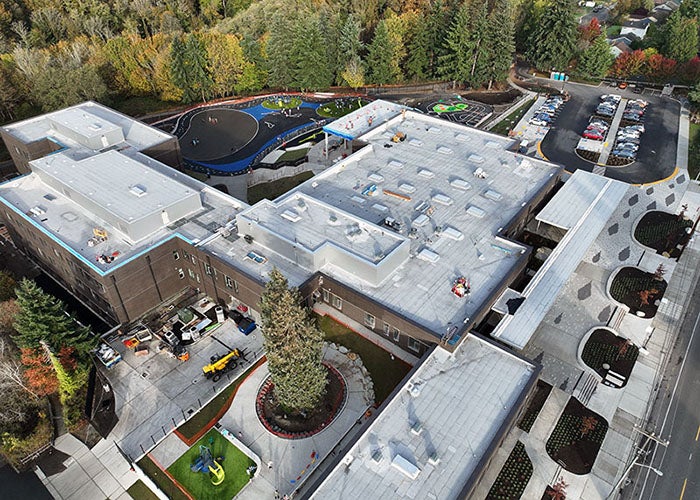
x=656 y=159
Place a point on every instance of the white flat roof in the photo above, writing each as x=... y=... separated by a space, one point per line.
x=517 y=329
x=362 y=120
x=451 y=409
x=117 y=183
x=434 y=193
x=82 y=117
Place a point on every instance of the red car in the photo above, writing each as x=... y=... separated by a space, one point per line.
x=596 y=135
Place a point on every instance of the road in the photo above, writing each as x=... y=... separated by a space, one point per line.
x=680 y=461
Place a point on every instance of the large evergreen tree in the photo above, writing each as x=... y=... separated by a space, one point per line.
x=279 y=50
x=189 y=64
x=312 y=68
x=460 y=48
x=554 y=39
x=681 y=38
x=499 y=42
x=43 y=318
x=382 y=66
x=597 y=59
x=293 y=346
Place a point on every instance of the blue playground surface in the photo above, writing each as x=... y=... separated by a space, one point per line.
x=248 y=146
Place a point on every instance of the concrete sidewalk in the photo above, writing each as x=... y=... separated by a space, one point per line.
x=90 y=474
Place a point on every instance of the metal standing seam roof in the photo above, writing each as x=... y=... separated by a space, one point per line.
x=517 y=329
x=430 y=439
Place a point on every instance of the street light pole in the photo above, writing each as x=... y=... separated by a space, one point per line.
x=640 y=455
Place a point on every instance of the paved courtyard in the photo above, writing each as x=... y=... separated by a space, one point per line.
x=291 y=460
x=155 y=393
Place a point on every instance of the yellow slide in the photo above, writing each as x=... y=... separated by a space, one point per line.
x=217 y=474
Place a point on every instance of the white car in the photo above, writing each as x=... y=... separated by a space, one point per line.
x=611 y=97
x=538 y=123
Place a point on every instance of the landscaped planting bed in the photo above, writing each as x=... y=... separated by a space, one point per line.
x=284 y=102
x=514 y=476
x=638 y=290
x=603 y=347
x=663 y=232
x=536 y=403
x=576 y=439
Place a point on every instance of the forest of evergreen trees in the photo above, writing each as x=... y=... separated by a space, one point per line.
x=58 y=52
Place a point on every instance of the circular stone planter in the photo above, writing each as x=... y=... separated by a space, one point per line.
x=638 y=290
x=662 y=232
x=299 y=426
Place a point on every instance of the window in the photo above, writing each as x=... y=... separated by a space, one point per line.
x=326 y=295
x=369 y=320
x=193 y=259
x=396 y=333
x=176 y=255
x=185 y=254
x=337 y=302
x=413 y=344
x=228 y=281
x=181 y=273
x=207 y=269
x=198 y=280
x=191 y=273
x=235 y=286
x=386 y=329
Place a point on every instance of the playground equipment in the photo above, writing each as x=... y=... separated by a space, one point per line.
x=221 y=364
x=207 y=465
x=461 y=287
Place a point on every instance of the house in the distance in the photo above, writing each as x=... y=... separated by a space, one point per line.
x=636 y=27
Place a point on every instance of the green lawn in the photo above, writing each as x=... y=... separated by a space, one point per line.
x=278 y=103
x=274 y=189
x=694 y=151
x=335 y=110
x=293 y=155
x=510 y=121
x=385 y=372
x=614 y=30
x=190 y=428
x=140 y=491
x=161 y=479
x=199 y=484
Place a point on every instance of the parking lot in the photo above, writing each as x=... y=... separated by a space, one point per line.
x=656 y=158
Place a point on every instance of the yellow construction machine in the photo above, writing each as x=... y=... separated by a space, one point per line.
x=221 y=364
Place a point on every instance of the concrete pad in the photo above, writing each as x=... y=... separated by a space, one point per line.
x=70 y=480
x=87 y=491
x=127 y=479
x=70 y=445
x=169 y=450
x=107 y=483
x=90 y=464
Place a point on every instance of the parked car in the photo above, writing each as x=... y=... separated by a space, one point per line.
x=537 y=122
x=611 y=97
x=638 y=128
x=638 y=102
x=631 y=117
x=605 y=112
x=594 y=135
x=635 y=110
x=246 y=325
x=622 y=85
x=631 y=155
x=543 y=116
x=627 y=145
x=628 y=139
x=597 y=126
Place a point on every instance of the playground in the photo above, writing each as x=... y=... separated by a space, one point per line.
x=455 y=109
x=213 y=468
x=229 y=138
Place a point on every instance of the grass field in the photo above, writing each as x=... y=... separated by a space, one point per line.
x=510 y=121
x=274 y=189
x=694 y=151
x=336 y=110
x=161 y=479
x=140 y=491
x=199 y=484
x=385 y=372
x=288 y=103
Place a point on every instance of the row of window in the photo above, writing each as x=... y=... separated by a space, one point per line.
x=371 y=321
x=231 y=284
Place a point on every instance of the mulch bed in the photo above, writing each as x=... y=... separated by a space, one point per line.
x=514 y=476
x=604 y=347
x=493 y=98
x=663 y=232
x=536 y=403
x=628 y=285
x=298 y=426
x=571 y=447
